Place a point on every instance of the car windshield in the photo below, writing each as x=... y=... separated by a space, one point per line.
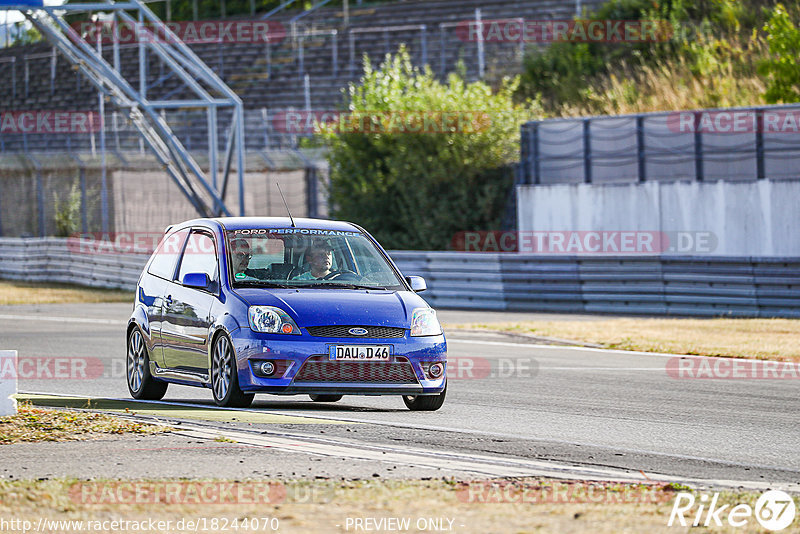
x=308 y=258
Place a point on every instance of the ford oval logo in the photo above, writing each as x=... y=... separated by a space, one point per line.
x=358 y=331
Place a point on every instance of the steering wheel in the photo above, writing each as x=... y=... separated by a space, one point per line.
x=344 y=275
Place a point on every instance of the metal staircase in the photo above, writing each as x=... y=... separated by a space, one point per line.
x=155 y=38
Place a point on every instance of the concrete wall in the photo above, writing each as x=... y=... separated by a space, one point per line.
x=141 y=196
x=146 y=200
x=737 y=218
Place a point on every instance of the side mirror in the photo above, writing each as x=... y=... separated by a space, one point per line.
x=196 y=280
x=417 y=283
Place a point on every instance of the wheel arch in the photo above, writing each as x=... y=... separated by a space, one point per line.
x=225 y=324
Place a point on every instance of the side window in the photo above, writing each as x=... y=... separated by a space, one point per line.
x=200 y=256
x=165 y=258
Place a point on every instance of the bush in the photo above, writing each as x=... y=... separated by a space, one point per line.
x=416 y=190
x=709 y=38
x=68 y=212
x=783 y=39
x=563 y=71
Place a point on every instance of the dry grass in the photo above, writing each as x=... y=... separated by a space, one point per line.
x=325 y=506
x=33 y=424
x=768 y=339
x=725 y=75
x=12 y=292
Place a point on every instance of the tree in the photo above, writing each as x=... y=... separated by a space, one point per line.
x=783 y=39
x=417 y=160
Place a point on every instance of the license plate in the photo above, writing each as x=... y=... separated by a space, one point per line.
x=369 y=353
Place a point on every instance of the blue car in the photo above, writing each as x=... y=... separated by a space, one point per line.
x=284 y=306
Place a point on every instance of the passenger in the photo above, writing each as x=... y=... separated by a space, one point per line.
x=241 y=256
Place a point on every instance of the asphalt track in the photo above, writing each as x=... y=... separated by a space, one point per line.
x=534 y=409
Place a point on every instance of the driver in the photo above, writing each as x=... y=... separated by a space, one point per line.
x=320 y=258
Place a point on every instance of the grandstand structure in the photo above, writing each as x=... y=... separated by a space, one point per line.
x=303 y=66
x=158 y=122
x=203 y=90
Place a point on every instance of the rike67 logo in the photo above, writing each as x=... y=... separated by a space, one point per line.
x=775 y=510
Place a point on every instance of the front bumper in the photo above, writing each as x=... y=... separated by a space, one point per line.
x=405 y=376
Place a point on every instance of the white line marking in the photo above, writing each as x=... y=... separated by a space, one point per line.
x=58 y=319
x=659 y=369
x=438 y=459
x=436 y=428
x=189 y=404
x=469 y=463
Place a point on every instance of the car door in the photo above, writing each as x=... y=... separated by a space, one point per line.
x=186 y=321
x=160 y=270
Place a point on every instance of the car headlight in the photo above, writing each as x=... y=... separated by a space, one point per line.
x=271 y=320
x=425 y=323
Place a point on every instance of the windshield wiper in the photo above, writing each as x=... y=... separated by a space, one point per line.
x=342 y=286
x=261 y=283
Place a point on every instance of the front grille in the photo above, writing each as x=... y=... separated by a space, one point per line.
x=342 y=331
x=320 y=369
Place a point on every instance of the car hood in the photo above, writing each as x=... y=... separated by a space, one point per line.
x=320 y=307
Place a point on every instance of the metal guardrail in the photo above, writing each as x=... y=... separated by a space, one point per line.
x=51 y=260
x=654 y=285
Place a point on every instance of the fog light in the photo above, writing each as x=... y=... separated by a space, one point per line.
x=267 y=368
x=436 y=370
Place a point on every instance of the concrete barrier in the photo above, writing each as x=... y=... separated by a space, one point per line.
x=717 y=219
x=8 y=382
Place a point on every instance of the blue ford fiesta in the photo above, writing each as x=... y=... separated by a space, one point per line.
x=274 y=305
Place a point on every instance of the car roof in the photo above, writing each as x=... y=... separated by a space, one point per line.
x=244 y=223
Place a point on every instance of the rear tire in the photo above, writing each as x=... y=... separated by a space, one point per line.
x=425 y=403
x=141 y=384
x=325 y=398
x=225 y=376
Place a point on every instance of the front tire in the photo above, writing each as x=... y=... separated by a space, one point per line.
x=141 y=384
x=425 y=403
x=225 y=376
x=325 y=398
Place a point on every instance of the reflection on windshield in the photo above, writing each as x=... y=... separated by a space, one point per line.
x=304 y=258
